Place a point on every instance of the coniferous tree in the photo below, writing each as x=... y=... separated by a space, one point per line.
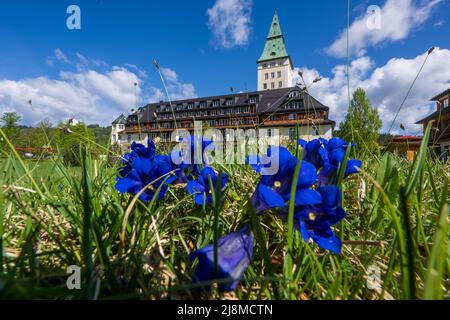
x=10 y=126
x=362 y=124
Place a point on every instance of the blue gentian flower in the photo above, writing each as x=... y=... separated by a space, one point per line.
x=142 y=172
x=143 y=151
x=137 y=150
x=327 y=155
x=235 y=252
x=189 y=169
x=336 y=148
x=274 y=190
x=315 y=220
x=315 y=151
x=201 y=188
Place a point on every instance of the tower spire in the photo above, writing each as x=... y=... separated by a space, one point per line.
x=274 y=65
x=275 y=46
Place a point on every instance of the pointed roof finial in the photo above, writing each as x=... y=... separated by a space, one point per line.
x=275 y=47
x=275 y=28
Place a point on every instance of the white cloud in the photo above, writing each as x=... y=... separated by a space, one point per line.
x=398 y=18
x=229 y=22
x=141 y=73
x=83 y=63
x=386 y=86
x=169 y=74
x=60 y=56
x=115 y=86
x=177 y=90
x=89 y=95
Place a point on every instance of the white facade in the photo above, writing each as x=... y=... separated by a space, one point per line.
x=116 y=129
x=275 y=74
x=307 y=133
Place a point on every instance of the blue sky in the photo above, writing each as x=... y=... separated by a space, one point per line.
x=206 y=47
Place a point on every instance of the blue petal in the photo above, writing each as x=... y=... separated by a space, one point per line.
x=336 y=215
x=254 y=162
x=162 y=192
x=337 y=156
x=303 y=230
x=284 y=154
x=146 y=196
x=142 y=166
x=331 y=196
x=202 y=199
x=195 y=187
x=312 y=146
x=335 y=143
x=323 y=154
x=206 y=174
x=125 y=185
x=302 y=143
x=151 y=147
x=235 y=252
x=270 y=197
x=352 y=166
x=306 y=197
x=307 y=175
x=332 y=243
x=224 y=180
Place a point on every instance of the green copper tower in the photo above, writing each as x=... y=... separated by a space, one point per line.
x=274 y=65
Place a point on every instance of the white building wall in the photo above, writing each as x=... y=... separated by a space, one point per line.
x=281 y=65
x=307 y=133
x=116 y=129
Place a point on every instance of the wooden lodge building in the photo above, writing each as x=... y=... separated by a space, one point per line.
x=440 y=132
x=276 y=105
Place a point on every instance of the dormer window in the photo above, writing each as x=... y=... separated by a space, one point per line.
x=253 y=99
x=229 y=102
x=203 y=104
x=293 y=94
x=216 y=103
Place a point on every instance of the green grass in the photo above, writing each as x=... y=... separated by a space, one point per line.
x=53 y=216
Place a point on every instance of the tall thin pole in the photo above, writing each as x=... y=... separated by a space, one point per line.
x=157 y=66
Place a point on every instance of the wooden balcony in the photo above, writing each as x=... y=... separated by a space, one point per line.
x=439 y=135
x=293 y=122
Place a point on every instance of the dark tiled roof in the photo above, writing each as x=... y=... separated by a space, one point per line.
x=120 y=120
x=440 y=95
x=269 y=101
x=434 y=115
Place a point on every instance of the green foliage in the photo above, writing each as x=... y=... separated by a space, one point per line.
x=53 y=216
x=69 y=140
x=10 y=125
x=362 y=124
x=102 y=134
x=45 y=135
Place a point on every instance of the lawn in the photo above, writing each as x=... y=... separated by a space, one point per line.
x=394 y=236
